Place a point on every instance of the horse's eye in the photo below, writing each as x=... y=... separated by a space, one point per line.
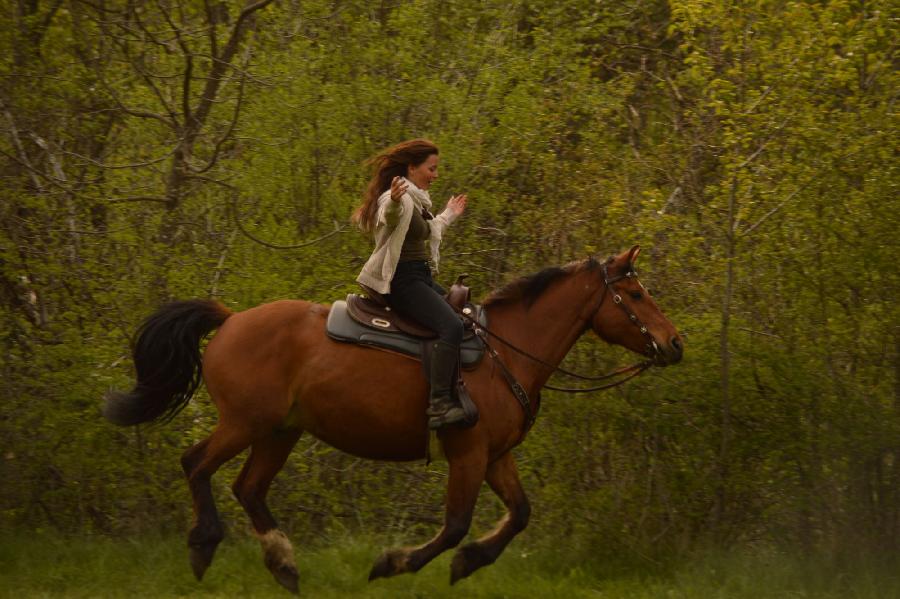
x=636 y=295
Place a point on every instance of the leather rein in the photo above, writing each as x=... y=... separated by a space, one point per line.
x=652 y=349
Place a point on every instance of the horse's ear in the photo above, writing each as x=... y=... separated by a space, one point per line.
x=633 y=254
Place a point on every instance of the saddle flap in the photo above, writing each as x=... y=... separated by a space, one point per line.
x=370 y=313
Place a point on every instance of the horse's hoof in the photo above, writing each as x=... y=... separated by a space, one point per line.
x=278 y=555
x=389 y=563
x=287 y=576
x=201 y=557
x=468 y=558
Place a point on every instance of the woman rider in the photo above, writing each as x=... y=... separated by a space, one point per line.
x=396 y=209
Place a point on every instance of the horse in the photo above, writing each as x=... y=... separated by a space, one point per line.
x=273 y=374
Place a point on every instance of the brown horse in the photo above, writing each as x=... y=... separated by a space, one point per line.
x=273 y=373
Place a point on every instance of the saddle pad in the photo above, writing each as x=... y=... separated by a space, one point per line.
x=341 y=327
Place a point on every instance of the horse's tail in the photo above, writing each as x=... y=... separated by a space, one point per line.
x=168 y=363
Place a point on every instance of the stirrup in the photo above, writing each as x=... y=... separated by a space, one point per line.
x=444 y=412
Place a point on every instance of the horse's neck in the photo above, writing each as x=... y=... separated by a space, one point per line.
x=548 y=329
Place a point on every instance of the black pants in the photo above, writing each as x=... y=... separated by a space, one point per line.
x=415 y=294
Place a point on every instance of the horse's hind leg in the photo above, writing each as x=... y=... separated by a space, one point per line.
x=267 y=456
x=466 y=476
x=200 y=462
x=504 y=480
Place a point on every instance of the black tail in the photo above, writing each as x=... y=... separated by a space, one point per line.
x=167 y=360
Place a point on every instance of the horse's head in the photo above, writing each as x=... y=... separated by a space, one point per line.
x=629 y=317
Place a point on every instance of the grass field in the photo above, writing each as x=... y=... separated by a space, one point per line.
x=52 y=566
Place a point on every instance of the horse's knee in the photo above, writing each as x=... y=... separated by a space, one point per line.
x=191 y=458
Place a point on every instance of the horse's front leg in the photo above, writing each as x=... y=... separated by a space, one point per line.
x=466 y=476
x=504 y=480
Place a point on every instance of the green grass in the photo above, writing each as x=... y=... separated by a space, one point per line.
x=53 y=566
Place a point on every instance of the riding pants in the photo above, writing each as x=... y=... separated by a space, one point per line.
x=415 y=294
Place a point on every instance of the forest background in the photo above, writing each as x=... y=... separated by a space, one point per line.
x=181 y=149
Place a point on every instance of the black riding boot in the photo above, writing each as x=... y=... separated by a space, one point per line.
x=443 y=410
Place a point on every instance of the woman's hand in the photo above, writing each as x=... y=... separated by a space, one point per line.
x=398 y=188
x=457 y=204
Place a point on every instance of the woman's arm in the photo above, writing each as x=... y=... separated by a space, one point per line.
x=455 y=207
x=393 y=202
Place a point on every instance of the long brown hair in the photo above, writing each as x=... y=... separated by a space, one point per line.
x=384 y=166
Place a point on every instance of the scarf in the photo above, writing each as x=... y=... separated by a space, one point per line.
x=422 y=201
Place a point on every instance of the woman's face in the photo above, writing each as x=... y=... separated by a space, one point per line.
x=423 y=174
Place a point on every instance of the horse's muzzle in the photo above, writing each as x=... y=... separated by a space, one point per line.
x=669 y=353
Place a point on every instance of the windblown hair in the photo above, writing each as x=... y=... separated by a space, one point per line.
x=384 y=166
x=527 y=289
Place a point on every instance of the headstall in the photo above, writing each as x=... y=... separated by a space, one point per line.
x=652 y=350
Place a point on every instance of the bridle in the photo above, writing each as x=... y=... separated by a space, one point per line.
x=652 y=349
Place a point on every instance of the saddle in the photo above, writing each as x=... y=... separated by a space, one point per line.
x=372 y=310
x=368 y=320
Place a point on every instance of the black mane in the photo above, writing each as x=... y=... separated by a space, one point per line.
x=528 y=288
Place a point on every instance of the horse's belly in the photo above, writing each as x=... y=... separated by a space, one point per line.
x=364 y=402
x=377 y=447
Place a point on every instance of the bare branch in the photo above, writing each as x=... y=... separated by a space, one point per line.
x=52 y=180
x=217 y=273
x=227 y=135
x=137 y=64
x=211 y=20
x=157 y=199
x=765 y=143
x=188 y=64
x=235 y=192
x=223 y=62
x=134 y=165
x=144 y=114
x=20 y=148
x=753 y=227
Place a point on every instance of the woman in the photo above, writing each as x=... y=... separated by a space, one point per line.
x=396 y=210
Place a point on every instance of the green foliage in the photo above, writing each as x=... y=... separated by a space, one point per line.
x=747 y=147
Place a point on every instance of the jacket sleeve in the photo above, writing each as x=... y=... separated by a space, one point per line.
x=442 y=221
x=389 y=211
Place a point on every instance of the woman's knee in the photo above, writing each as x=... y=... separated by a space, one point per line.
x=451 y=331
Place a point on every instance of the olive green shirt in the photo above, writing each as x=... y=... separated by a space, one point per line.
x=390 y=231
x=417 y=235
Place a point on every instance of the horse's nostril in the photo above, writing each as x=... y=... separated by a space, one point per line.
x=676 y=343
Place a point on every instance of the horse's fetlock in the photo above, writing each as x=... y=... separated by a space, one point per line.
x=469 y=558
x=520 y=516
x=455 y=533
x=202 y=535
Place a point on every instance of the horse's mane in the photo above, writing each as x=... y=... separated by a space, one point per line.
x=528 y=288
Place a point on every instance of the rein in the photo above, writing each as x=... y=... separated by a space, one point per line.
x=483 y=332
x=519 y=392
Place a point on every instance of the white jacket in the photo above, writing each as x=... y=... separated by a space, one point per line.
x=391 y=224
